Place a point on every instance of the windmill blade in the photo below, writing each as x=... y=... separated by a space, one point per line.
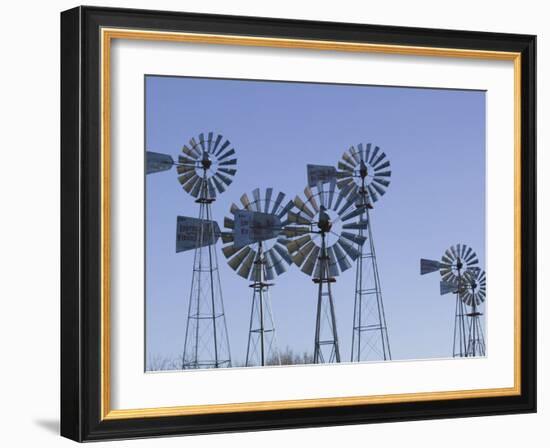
x=382 y=173
x=194 y=147
x=157 y=162
x=351 y=251
x=228 y=223
x=321 y=193
x=202 y=142
x=294 y=231
x=355 y=154
x=357 y=239
x=299 y=257
x=245 y=201
x=300 y=204
x=308 y=266
x=189 y=185
x=344 y=192
x=344 y=167
x=283 y=252
x=226 y=155
x=428 y=266
x=332 y=263
x=184 y=178
x=360 y=151
x=285 y=210
x=268 y=194
x=226 y=180
x=275 y=261
x=311 y=199
x=257 y=200
x=373 y=155
x=382 y=182
x=367 y=152
x=228 y=162
x=332 y=190
x=216 y=144
x=236 y=261
x=197 y=187
x=211 y=189
x=269 y=271
x=193 y=154
x=379 y=168
x=378 y=160
x=341 y=257
x=230 y=250
x=192 y=233
x=320 y=173
x=295 y=218
x=222 y=148
x=349 y=160
x=210 y=141
x=372 y=193
x=277 y=203
x=294 y=245
x=361 y=210
x=218 y=184
x=182 y=169
x=246 y=266
x=229 y=171
x=359 y=225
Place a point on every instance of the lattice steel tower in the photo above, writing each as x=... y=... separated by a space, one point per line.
x=455 y=262
x=322 y=250
x=473 y=295
x=256 y=251
x=205 y=169
x=365 y=171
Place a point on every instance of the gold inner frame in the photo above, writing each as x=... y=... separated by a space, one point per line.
x=107 y=35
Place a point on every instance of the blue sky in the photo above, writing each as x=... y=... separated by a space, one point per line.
x=435 y=140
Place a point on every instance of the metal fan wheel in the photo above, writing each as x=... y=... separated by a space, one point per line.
x=277 y=259
x=209 y=159
x=476 y=290
x=366 y=163
x=456 y=260
x=310 y=217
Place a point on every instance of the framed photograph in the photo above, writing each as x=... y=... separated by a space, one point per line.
x=272 y=223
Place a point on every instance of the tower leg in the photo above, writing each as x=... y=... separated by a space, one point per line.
x=262 y=344
x=370 y=332
x=206 y=340
x=327 y=348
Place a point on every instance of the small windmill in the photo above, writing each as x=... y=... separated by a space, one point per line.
x=205 y=169
x=365 y=171
x=473 y=295
x=255 y=249
x=323 y=234
x=454 y=264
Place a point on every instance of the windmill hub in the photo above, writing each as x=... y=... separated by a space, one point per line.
x=363 y=171
x=206 y=162
x=459 y=264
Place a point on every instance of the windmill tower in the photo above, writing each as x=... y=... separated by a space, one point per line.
x=256 y=251
x=365 y=170
x=473 y=295
x=455 y=262
x=205 y=169
x=322 y=240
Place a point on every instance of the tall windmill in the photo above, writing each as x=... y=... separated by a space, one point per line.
x=205 y=168
x=454 y=263
x=256 y=250
x=323 y=234
x=473 y=295
x=365 y=171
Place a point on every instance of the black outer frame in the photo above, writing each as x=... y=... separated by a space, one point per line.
x=80 y=223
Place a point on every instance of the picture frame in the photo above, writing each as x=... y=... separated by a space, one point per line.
x=87 y=34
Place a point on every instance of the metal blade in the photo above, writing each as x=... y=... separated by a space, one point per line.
x=227 y=237
x=381 y=167
x=341 y=257
x=299 y=257
x=357 y=239
x=332 y=189
x=294 y=245
x=237 y=259
x=218 y=139
x=311 y=199
x=228 y=223
x=355 y=154
x=226 y=155
x=301 y=205
x=361 y=153
x=226 y=180
x=210 y=136
x=218 y=184
x=342 y=166
x=378 y=189
x=228 y=162
x=268 y=194
x=294 y=231
x=333 y=264
x=285 y=209
x=283 y=252
x=298 y=219
x=359 y=225
x=378 y=160
x=372 y=193
x=269 y=272
x=194 y=147
x=276 y=261
x=190 y=152
x=348 y=159
x=211 y=189
x=277 y=202
x=202 y=142
x=197 y=188
x=230 y=250
x=257 y=200
x=228 y=171
x=358 y=211
x=184 y=169
x=245 y=201
x=244 y=271
x=222 y=147
x=321 y=195
x=380 y=181
x=308 y=266
x=184 y=178
x=189 y=185
x=349 y=249
x=428 y=266
x=374 y=153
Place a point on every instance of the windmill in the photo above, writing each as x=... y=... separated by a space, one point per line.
x=322 y=234
x=256 y=250
x=454 y=264
x=205 y=169
x=473 y=295
x=365 y=171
